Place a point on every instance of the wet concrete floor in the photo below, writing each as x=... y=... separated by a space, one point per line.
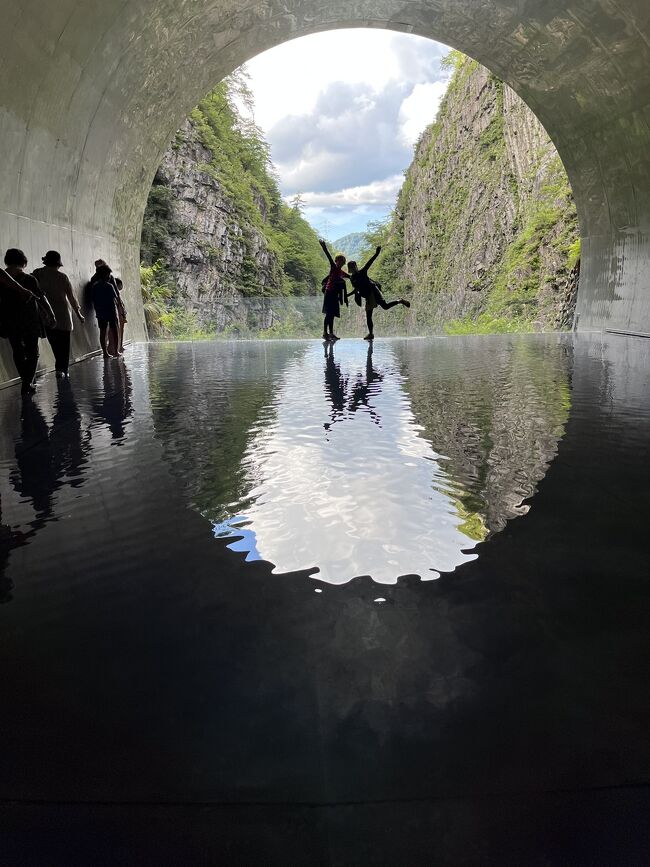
x=168 y=696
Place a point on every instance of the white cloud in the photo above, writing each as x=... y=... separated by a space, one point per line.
x=341 y=111
x=420 y=108
x=382 y=192
x=288 y=80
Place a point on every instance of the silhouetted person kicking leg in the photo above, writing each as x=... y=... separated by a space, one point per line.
x=371 y=291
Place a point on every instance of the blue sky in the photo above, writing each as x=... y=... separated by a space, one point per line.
x=342 y=111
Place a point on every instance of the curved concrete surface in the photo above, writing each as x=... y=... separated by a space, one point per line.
x=91 y=91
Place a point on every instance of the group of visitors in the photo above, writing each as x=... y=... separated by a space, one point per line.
x=40 y=305
x=363 y=289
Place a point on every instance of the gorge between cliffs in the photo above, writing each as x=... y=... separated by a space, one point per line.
x=483 y=236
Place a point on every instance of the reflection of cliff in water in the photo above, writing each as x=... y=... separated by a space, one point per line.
x=352 y=462
x=495 y=409
x=208 y=401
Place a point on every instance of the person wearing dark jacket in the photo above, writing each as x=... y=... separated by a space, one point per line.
x=105 y=301
x=21 y=320
x=366 y=288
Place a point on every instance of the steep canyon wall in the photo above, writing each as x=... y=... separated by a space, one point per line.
x=484 y=235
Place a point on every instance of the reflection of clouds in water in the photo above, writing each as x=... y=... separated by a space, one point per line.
x=362 y=496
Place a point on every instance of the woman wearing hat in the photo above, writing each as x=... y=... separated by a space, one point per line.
x=58 y=291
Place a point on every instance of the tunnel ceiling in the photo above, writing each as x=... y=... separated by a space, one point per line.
x=91 y=92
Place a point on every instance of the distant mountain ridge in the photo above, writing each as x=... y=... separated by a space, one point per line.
x=351 y=245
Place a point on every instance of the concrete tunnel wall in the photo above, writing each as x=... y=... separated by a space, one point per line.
x=91 y=92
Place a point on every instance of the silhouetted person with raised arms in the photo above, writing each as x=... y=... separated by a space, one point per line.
x=366 y=288
x=105 y=301
x=58 y=291
x=334 y=293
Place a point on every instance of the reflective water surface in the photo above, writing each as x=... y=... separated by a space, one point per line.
x=341 y=461
x=146 y=657
x=395 y=459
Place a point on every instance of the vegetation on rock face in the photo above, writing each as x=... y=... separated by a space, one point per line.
x=259 y=246
x=483 y=237
x=484 y=234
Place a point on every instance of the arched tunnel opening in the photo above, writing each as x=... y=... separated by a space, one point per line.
x=308 y=602
x=408 y=145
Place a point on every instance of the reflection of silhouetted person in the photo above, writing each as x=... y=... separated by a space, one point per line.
x=46 y=458
x=115 y=406
x=335 y=384
x=69 y=449
x=6 y=544
x=33 y=476
x=9 y=539
x=362 y=391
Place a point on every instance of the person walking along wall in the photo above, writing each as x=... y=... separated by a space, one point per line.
x=21 y=320
x=105 y=301
x=58 y=291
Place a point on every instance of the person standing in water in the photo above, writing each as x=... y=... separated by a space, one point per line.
x=371 y=291
x=333 y=291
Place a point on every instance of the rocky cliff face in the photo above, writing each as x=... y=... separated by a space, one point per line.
x=484 y=236
x=485 y=230
x=222 y=251
x=213 y=254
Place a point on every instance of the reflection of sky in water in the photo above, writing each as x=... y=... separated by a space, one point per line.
x=340 y=478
